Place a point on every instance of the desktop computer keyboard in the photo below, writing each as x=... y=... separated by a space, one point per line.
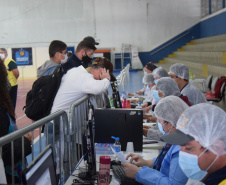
x=119 y=172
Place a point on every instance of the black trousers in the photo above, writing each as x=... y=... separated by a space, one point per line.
x=13 y=94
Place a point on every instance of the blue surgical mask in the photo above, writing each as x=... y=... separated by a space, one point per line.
x=156 y=80
x=156 y=95
x=161 y=129
x=190 y=167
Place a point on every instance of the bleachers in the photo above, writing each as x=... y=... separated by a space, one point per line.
x=206 y=56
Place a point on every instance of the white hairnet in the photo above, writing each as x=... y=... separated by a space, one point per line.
x=207 y=124
x=180 y=70
x=170 y=108
x=160 y=72
x=149 y=79
x=167 y=86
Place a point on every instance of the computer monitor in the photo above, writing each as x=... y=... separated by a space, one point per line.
x=115 y=95
x=127 y=124
x=88 y=144
x=41 y=171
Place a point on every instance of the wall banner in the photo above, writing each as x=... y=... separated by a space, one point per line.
x=22 y=56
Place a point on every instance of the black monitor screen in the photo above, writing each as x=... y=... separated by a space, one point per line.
x=42 y=170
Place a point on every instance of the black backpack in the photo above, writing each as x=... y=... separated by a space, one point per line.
x=40 y=98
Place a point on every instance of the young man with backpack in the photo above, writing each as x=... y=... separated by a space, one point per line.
x=57 y=54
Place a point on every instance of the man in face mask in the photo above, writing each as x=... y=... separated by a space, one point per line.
x=57 y=54
x=180 y=73
x=82 y=55
x=201 y=132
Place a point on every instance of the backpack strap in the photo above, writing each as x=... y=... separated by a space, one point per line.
x=49 y=70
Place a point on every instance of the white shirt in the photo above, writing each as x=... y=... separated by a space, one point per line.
x=75 y=84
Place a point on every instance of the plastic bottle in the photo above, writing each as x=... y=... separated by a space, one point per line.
x=139 y=106
x=123 y=94
x=104 y=170
x=124 y=102
x=117 y=144
x=128 y=105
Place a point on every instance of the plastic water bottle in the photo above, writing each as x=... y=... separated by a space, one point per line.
x=123 y=94
x=124 y=102
x=139 y=106
x=117 y=144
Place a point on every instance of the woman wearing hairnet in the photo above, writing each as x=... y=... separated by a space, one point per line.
x=147 y=70
x=149 y=81
x=157 y=73
x=165 y=168
x=201 y=132
x=165 y=87
x=180 y=73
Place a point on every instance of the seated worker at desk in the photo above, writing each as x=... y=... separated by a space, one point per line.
x=148 y=69
x=149 y=81
x=166 y=87
x=158 y=73
x=201 y=132
x=165 y=168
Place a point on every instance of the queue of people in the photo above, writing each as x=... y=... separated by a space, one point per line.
x=194 y=131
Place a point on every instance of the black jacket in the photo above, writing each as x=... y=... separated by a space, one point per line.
x=73 y=61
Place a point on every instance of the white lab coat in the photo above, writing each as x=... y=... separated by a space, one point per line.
x=2 y=170
x=195 y=96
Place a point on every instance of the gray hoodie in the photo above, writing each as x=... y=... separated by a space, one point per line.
x=47 y=65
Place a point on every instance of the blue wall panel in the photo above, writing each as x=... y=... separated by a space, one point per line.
x=213 y=26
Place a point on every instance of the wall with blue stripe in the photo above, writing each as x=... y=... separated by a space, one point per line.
x=210 y=27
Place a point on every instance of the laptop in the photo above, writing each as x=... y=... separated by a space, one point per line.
x=42 y=170
x=127 y=124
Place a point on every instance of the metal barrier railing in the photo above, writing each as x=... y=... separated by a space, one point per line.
x=72 y=131
x=10 y=138
x=78 y=121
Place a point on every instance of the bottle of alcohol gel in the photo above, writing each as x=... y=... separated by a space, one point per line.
x=117 y=144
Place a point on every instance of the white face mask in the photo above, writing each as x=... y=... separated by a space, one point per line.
x=2 y=56
x=65 y=59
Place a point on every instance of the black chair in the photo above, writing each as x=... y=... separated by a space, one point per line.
x=222 y=91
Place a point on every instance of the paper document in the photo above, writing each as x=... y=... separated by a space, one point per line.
x=120 y=156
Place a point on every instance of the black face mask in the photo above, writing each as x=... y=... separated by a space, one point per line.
x=86 y=59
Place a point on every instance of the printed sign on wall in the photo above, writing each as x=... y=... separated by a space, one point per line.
x=22 y=56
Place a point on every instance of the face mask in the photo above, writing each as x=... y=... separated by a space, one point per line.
x=86 y=59
x=190 y=167
x=64 y=60
x=2 y=56
x=156 y=80
x=156 y=95
x=145 y=73
x=161 y=129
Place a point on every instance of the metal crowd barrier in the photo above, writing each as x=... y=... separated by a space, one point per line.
x=10 y=138
x=77 y=122
x=73 y=130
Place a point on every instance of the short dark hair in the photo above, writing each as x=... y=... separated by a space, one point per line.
x=56 y=46
x=86 y=45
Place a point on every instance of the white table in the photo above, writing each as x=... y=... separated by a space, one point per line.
x=146 y=154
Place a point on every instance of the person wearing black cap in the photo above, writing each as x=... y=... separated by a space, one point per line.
x=82 y=55
x=201 y=132
x=91 y=39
